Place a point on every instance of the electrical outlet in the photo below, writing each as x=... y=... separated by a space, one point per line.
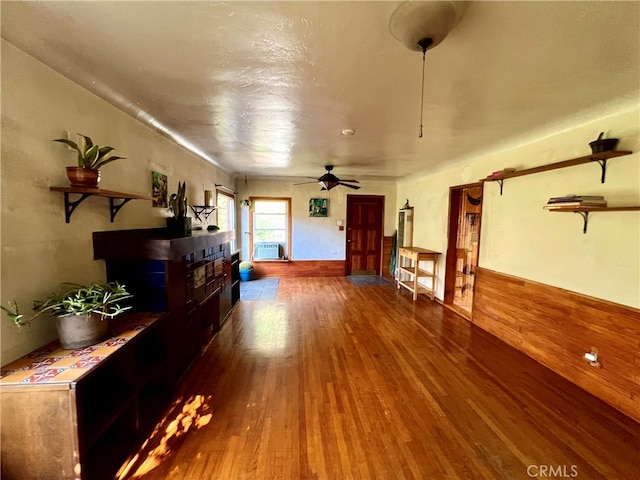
x=592 y=357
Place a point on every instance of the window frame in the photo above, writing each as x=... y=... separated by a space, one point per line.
x=287 y=201
x=230 y=213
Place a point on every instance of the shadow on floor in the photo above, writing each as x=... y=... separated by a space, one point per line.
x=260 y=289
x=367 y=280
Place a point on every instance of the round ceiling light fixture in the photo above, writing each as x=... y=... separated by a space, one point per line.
x=348 y=132
x=420 y=26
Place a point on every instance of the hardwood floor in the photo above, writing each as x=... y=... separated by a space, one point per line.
x=336 y=381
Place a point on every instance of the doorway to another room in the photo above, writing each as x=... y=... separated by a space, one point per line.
x=465 y=211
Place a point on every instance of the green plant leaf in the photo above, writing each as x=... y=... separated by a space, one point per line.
x=91 y=157
x=87 y=142
x=102 y=162
x=104 y=151
x=14 y=314
x=69 y=143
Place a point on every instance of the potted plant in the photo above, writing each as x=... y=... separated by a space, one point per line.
x=179 y=224
x=81 y=311
x=91 y=158
x=246 y=270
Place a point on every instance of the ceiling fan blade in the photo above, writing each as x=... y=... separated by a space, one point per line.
x=306 y=183
x=355 y=187
x=352 y=181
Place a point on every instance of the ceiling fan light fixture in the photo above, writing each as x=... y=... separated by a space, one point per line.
x=413 y=21
x=348 y=132
x=421 y=26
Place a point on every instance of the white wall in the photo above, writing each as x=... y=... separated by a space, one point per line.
x=314 y=238
x=39 y=250
x=520 y=238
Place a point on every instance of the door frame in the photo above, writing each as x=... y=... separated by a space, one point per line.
x=455 y=193
x=379 y=248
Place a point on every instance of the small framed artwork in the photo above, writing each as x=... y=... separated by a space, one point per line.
x=318 y=207
x=159 y=189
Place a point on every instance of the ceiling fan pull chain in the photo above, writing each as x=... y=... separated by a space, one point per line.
x=422 y=93
x=424 y=44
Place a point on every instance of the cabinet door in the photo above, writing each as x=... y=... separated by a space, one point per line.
x=39 y=438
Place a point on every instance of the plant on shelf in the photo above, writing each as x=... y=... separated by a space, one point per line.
x=179 y=223
x=91 y=158
x=246 y=270
x=81 y=311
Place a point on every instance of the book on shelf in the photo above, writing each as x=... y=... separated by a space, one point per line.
x=571 y=206
x=500 y=173
x=573 y=201
x=577 y=198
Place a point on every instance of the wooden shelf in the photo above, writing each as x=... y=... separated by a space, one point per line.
x=584 y=211
x=601 y=158
x=409 y=259
x=114 y=206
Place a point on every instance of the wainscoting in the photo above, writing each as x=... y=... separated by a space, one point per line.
x=387 y=246
x=315 y=268
x=299 y=268
x=556 y=327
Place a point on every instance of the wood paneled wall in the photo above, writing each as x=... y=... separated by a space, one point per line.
x=556 y=327
x=387 y=243
x=316 y=268
x=299 y=268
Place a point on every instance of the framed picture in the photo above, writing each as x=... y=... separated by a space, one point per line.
x=318 y=207
x=159 y=189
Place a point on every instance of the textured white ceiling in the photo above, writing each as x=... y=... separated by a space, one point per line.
x=265 y=88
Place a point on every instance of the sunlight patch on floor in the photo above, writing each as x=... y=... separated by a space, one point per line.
x=271 y=327
x=185 y=415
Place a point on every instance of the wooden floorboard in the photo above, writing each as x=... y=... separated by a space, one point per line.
x=336 y=381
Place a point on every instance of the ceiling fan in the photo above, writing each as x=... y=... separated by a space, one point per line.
x=329 y=180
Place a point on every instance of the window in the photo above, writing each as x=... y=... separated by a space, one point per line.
x=270 y=227
x=226 y=213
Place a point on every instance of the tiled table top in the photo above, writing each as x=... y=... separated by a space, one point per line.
x=52 y=364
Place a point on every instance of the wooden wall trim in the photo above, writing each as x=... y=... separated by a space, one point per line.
x=387 y=244
x=556 y=327
x=299 y=268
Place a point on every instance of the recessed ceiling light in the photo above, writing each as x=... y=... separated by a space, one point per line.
x=348 y=132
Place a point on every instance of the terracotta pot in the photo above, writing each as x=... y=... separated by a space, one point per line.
x=79 y=331
x=83 y=177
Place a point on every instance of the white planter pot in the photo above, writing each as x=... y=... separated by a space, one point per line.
x=79 y=331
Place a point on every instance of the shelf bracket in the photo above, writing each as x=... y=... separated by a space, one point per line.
x=70 y=206
x=585 y=218
x=500 y=182
x=115 y=207
x=198 y=210
x=603 y=166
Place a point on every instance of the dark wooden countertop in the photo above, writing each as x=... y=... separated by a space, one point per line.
x=153 y=244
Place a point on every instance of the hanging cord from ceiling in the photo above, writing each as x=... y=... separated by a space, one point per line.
x=423 y=44
x=423 y=25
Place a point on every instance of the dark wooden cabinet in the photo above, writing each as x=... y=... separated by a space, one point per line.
x=70 y=414
x=188 y=277
x=235 y=277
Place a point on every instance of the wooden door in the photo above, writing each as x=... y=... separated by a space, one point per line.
x=365 y=222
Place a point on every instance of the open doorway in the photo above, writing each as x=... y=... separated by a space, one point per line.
x=465 y=212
